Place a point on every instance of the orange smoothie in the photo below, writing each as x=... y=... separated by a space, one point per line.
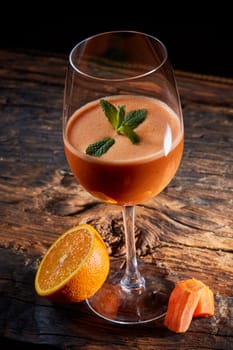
x=127 y=173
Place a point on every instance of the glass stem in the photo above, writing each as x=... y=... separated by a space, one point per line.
x=132 y=278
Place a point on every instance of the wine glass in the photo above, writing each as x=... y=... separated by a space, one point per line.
x=123 y=140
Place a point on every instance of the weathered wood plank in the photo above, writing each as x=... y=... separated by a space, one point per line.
x=38 y=320
x=187 y=230
x=48 y=70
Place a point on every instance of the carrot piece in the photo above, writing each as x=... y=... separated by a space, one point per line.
x=205 y=306
x=182 y=304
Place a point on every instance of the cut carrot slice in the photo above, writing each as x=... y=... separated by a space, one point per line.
x=205 y=306
x=187 y=299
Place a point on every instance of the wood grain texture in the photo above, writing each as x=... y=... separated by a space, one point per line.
x=187 y=230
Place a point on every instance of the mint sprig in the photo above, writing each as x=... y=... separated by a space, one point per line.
x=123 y=123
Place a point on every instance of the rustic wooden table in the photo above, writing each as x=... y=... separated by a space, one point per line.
x=187 y=229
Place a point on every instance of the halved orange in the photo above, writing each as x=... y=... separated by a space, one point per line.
x=74 y=267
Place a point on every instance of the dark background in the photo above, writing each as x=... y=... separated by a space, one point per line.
x=205 y=48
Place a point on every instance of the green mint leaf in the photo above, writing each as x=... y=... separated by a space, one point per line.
x=110 y=112
x=127 y=131
x=134 y=118
x=100 y=147
x=120 y=116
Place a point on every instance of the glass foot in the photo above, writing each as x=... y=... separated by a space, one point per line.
x=139 y=305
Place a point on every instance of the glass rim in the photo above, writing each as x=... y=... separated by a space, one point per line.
x=153 y=70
